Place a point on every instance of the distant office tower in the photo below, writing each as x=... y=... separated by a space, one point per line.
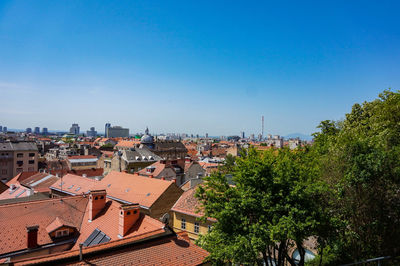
x=5 y=129
x=197 y=136
x=242 y=134
x=1 y=128
x=117 y=132
x=37 y=130
x=206 y=135
x=74 y=129
x=28 y=130
x=92 y=132
x=45 y=131
x=108 y=125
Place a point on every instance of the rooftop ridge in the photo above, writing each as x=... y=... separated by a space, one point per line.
x=43 y=200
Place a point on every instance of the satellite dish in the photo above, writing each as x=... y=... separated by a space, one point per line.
x=165 y=218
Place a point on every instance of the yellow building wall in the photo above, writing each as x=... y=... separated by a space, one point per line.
x=190 y=220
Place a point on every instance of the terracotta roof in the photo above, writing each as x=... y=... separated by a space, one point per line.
x=57 y=223
x=127 y=143
x=158 y=168
x=21 y=177
x=14 y=218
x=166 y=250
x=122 y=186
x=40 y=182
x=88 y=172
x=75 y=184
x=134 y=188
x=108 y=220
x=189 y=204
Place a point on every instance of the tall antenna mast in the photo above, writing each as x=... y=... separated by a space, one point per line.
x=262 y=126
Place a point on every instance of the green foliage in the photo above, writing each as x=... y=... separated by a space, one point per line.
x=360 y=158
x=275 y=204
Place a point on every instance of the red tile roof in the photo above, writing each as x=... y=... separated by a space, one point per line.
x=127 y=143
x=189 y=204
x=88 y=172
x=108 y=222
x=21 y=177
x=71 y=183
x=134 y=188
x=14 y=218
x=167 y=250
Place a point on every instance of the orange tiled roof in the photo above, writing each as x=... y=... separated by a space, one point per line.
x=108 y=221
x=122 y=186
x=189 y=204
x=88 y=172
x=21 y=177
x=16 y=217
x=127 y=143
x=57 y=223
x=167 y=250
x=71 y=183
x=134 y=188
x=159 y=167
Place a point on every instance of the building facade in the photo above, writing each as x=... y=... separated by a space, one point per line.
x=117 y=132
x=16 y=158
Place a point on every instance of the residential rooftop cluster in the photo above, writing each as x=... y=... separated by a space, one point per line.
x=66 y=198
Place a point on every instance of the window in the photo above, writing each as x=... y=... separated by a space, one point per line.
x=20 y=155
x=183 y=223
x=196 y=227
x=20 y=163
x=31 y=154
x=61 y=233
x=31 y=161
x=4 y=171
x=19 y=170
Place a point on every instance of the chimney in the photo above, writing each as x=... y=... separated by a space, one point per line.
x=32 y=236
x=97 y=201
x=162 y=178
x=151 y=176
x=174 y=180
x=128 y=215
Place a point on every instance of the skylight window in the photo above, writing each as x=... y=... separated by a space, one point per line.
x=70 y=186
x=78 y=189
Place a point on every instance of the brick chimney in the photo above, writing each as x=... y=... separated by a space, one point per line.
x=128 y=215
x=32 y=236
x=97 y=201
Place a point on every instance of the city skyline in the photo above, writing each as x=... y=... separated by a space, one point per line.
x=182 y=67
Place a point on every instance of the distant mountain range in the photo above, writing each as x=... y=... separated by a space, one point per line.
x=298 y=135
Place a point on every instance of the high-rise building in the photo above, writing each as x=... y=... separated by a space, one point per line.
x=117 y=132
x=74 y=129
x=45 y=131
x=5 y=129
x=206 y=135
x=92 y=132
x=28 y=130
x=37 y=130
x=242 y=134
x=107 y=126
x=1 y=128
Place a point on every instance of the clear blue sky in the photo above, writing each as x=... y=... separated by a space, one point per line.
x=203 y=66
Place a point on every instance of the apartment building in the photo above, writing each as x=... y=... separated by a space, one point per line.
x=17 y=157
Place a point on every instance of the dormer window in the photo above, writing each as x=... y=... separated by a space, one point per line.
x=61 y=233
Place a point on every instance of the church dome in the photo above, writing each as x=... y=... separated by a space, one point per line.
x=146 y=139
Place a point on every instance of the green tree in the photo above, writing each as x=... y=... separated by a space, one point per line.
x=276 y=204
x=360 y=159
